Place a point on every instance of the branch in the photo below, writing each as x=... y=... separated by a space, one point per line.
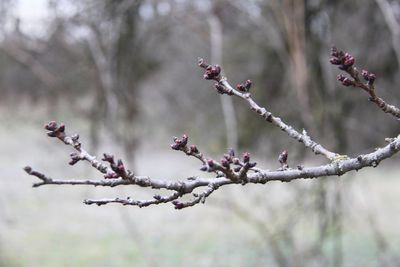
x=230 y=169
x=238 y=175
x=345 y=62
x=243 y=91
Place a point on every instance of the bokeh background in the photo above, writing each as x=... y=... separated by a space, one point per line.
x=124 y=75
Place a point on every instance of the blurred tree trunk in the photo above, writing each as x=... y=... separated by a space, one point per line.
x=228 y=110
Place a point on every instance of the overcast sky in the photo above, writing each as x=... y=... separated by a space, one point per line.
x=32 y=14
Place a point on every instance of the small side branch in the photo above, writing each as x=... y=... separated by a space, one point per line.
x=345 y=62
x=157 y=199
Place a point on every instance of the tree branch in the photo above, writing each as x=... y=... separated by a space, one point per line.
x=230 y=169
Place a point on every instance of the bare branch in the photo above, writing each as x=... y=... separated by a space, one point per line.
x=157 y=199
x=239 y=176
x=230 y=169
x=223 y=87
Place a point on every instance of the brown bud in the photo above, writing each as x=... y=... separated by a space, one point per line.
x=247 y=84
x=283 y=157
x=75 y=157
x=120 y=166
x=108 y=157
x=220 y=89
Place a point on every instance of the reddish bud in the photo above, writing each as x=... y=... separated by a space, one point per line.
x=241 y=87
x=61 y=128
x=335 y=61
x=185 y=139
x=340 y=77
x=180 y=143
x=225 y=163
x=194 y=149
x=348 y=60
x=347 y=82
x=368 y=76
x=210 y=163
x=212 y=72
x=246 y=157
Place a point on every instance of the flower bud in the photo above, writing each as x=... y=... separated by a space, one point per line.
x=246 y=157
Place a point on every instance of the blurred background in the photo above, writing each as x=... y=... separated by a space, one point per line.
x=124 y=75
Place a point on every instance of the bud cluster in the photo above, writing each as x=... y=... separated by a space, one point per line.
x=212 y=72
x=117 y=167
x=55 y=130
x=244 y=87
x=344 y=60
x=231 y=159
x=180 y=143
